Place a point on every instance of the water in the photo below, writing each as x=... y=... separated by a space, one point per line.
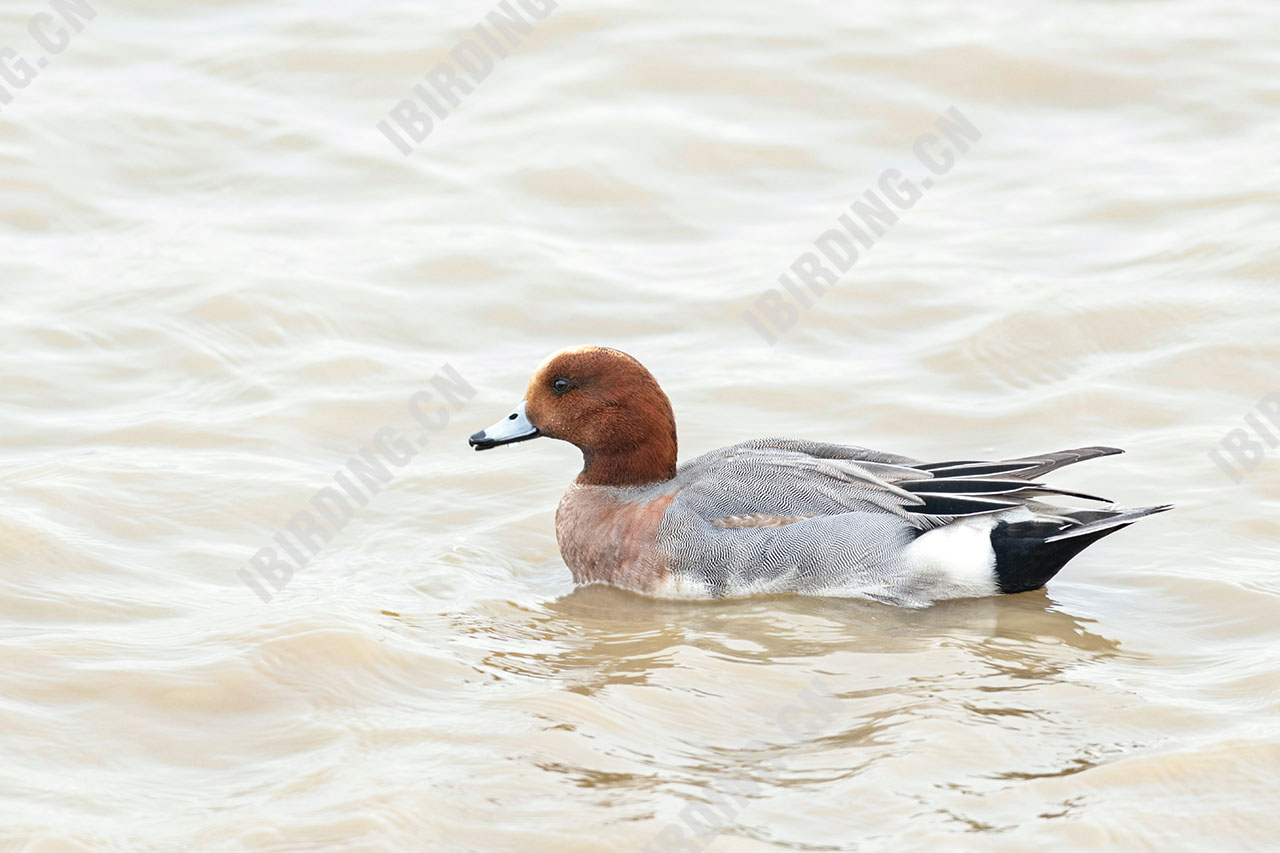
x=220 y=280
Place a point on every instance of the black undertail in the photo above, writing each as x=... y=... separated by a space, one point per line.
x=1029 y=553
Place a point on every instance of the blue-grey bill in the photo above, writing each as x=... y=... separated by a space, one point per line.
x=514 y=427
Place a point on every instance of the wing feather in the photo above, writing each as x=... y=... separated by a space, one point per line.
x=798 y=479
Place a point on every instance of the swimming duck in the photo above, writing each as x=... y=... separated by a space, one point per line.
x=783 y=515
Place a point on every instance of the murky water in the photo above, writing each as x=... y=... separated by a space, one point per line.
x=220 y=280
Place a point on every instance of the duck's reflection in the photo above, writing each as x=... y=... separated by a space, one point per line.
x=598 y=635
x=747 y=700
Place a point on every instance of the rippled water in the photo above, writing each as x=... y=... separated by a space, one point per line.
x=220 y=280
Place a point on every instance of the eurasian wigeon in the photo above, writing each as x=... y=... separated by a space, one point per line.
x=785 y=515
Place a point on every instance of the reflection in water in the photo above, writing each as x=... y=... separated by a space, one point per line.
x=1018 y=636
x=794 y=694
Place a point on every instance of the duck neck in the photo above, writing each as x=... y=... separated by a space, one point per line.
x=651 y=461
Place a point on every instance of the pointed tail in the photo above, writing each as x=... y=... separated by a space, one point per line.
x=1029 y=553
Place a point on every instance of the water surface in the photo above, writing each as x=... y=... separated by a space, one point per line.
x=220 y=280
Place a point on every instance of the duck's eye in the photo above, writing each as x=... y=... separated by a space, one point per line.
x=560 y=386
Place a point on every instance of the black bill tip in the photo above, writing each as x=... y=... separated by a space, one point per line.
x=481 y=441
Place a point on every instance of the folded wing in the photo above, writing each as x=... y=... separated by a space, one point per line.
x=797 y=480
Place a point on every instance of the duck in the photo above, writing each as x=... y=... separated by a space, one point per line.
x=787 y=516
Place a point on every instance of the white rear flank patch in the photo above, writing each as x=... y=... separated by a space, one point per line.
x=956 y=561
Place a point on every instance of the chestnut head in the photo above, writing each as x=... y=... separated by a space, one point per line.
x=604 y=402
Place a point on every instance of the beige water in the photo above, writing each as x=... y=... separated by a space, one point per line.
x=220 y=279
